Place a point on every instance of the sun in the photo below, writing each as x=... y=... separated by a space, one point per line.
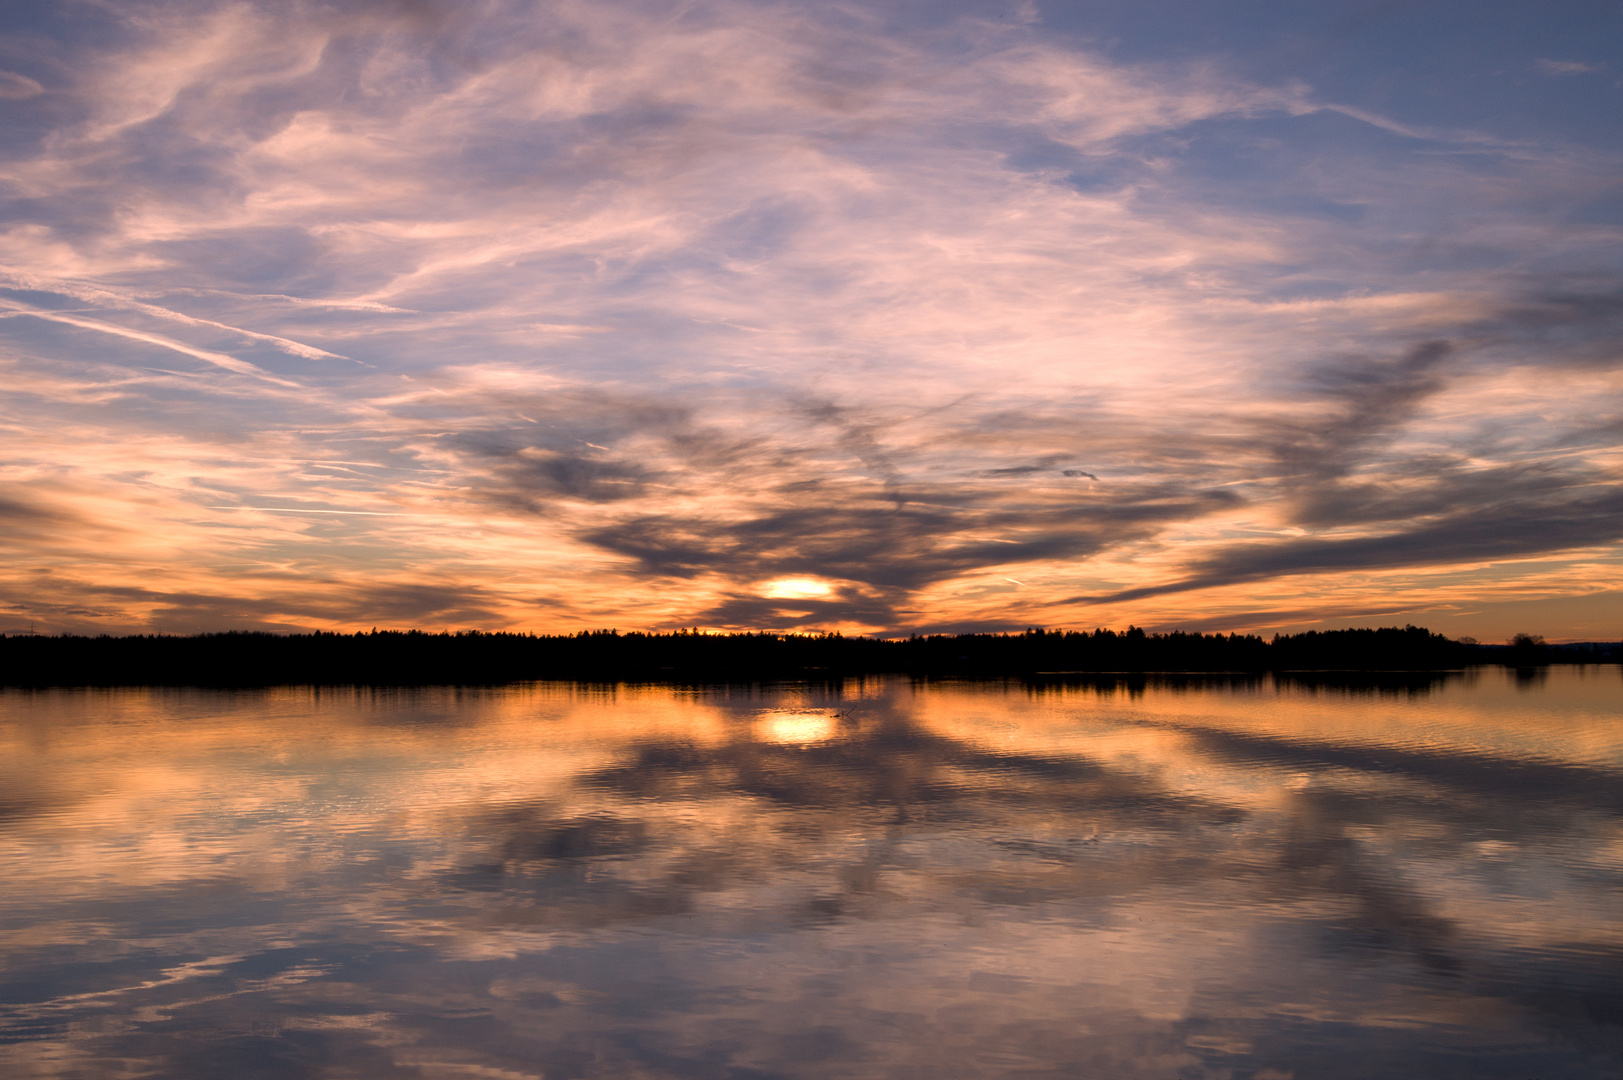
x=797 y=728
x=796 y=588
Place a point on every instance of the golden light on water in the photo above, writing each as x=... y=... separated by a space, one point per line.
x=795 y=728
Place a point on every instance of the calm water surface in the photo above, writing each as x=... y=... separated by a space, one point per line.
x=884 y=879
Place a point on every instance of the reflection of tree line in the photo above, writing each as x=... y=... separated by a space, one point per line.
x=475 y=657
x=1134 y=684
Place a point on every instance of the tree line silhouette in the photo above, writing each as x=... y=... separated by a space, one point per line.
x=471 y=657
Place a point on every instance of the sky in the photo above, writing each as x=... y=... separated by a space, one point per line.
x=878 y=317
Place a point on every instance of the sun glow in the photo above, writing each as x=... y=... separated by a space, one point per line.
x=794 y=728
x=797 y=588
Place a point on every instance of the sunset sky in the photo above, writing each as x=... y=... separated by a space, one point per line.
x=875 y=316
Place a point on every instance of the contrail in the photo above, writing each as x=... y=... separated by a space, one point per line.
x=289 y=510
x=229 y=363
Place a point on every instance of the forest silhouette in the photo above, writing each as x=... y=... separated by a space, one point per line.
x=477 y=657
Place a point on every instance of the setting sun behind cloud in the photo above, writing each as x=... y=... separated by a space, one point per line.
x=797 y=588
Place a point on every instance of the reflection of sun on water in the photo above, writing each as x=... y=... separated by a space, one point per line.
x=796 y=588
x=796 y=727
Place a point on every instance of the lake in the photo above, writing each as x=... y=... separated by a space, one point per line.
x=879 y=878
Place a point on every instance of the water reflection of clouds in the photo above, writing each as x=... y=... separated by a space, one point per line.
x=963 y=882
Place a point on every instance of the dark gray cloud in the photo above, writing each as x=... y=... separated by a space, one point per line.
x=1353 y=404
x=79 y=606
x=903 y=548
x=857 y=438
x=1336 y=468
x=529 y=475
x=1579 y=324
x=1485 y=532
x=594 y=446
x=25 y=518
